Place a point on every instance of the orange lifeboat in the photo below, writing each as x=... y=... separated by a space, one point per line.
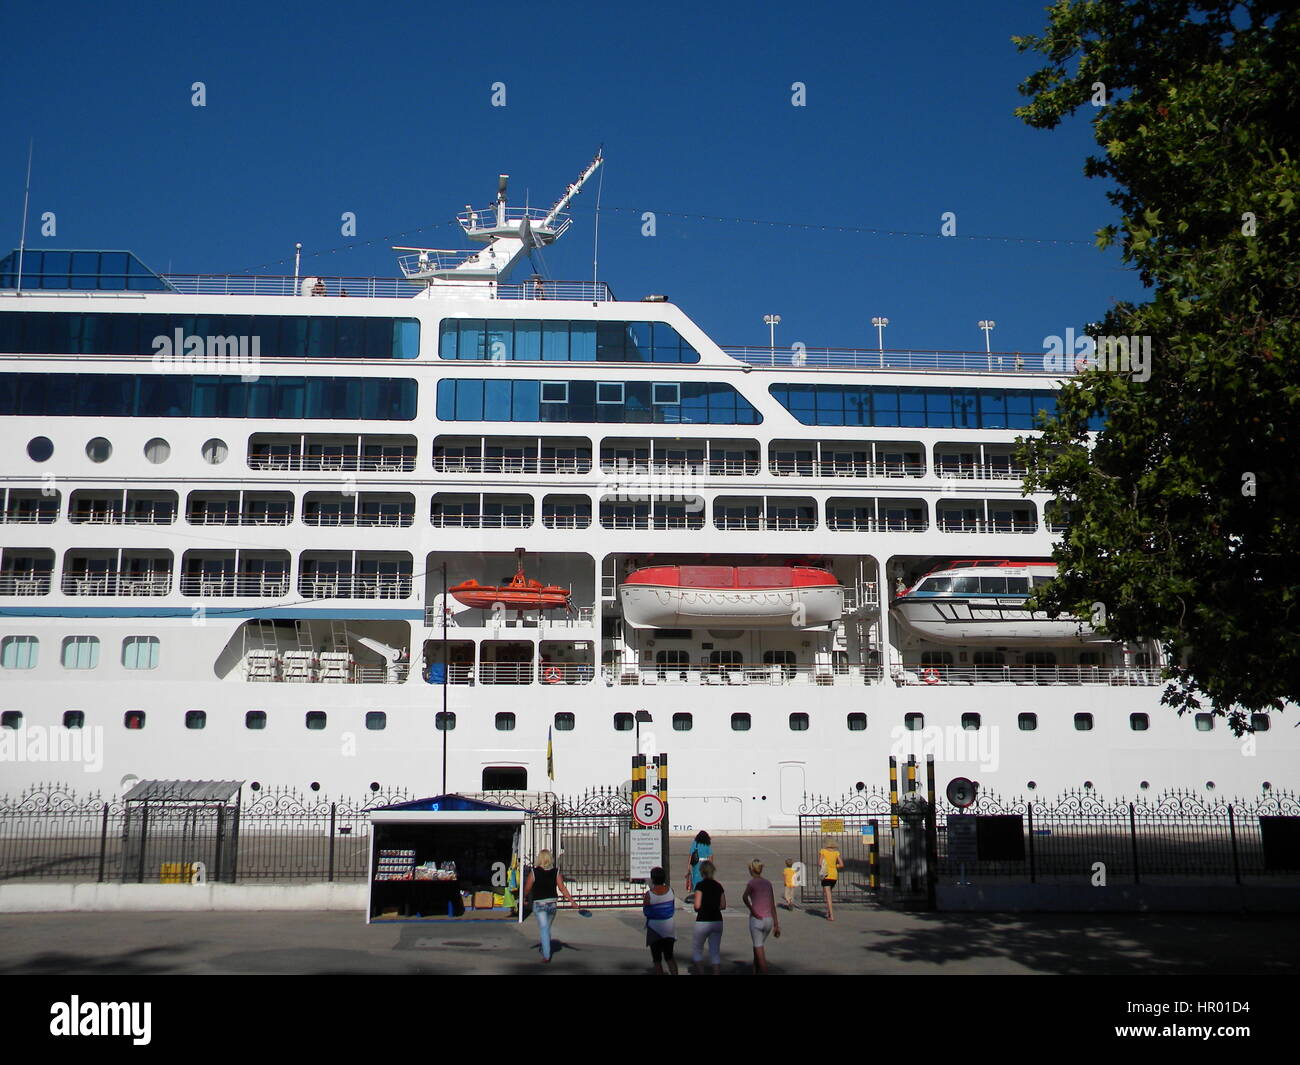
x=519 y=593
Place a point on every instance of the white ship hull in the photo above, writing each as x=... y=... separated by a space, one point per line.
x=668 y=608
x=989 y=622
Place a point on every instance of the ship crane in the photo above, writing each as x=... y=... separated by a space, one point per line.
x=392 y=656
x=509 y=233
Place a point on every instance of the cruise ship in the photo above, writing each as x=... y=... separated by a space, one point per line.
x=311 y=531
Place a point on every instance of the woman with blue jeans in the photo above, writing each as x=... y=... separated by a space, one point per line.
x=543 y=882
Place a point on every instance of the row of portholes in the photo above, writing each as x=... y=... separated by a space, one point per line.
x=157 y=450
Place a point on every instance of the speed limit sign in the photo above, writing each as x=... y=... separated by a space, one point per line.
x=648 y=810
x=961 y=792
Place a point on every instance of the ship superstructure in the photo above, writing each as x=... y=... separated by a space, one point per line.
x=235 y=510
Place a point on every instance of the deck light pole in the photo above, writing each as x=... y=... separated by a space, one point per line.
x=987 y=325
x=772 y=320
x=880 y=324
x=446 y=677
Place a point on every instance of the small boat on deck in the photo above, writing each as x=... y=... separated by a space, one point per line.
x=518 y=593
x=745 y=597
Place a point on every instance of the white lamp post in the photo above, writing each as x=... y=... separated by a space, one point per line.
x=987 y=325
x=772 y=320
x=880 y=324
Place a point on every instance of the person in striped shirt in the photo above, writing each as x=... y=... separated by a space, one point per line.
x=660 y=908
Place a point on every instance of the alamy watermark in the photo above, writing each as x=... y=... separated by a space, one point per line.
x=37 y=743
x=1114 y=354
x=243 y=353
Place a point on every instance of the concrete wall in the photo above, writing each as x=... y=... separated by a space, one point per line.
x=55 y=897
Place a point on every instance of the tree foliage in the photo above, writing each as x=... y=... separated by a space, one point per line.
x=1186 y=508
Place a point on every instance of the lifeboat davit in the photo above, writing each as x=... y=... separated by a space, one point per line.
x=518 y=593
x=733 y=597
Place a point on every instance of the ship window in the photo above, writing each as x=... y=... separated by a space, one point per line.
x=215 y=451
x=1139 y=722
x=936 y=584
x=970 y=722
x=798 y=722
x=609 y=392
x=11 y=719
x=157 y=450
x=140 y=652
x=505 y=722
x=74 y=719
x=1017 y=585
x=19 y=652
x=555 y=391
x=914 y=722
x=666 y=393
x=255 y=719
x=564 y=721
x=1204 y=722
x=741 y=722
x=1083 y=722
x=445 y=721
x=857 y=722
x=80 y=652
x=316 y=720
x=683 y=722
x=133 y=720
x=993 y=585
x=1040 y=581
x=965 y=585
x=40 y=448
x=505 y=778
x=196 y=719
x=98 y=449
x=1027 y=722
x=936 y=658
x=376 y=720
x=623 y=722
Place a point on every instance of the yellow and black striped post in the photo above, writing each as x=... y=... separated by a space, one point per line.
x=931 y=837
x=873 y=859
x=893 y=792
x=661 y=786
x=911 y=774
x=638 y=777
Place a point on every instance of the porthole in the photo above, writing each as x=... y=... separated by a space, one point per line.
x=1028 y=722
x=255 y=719
x=1260 y=722
x=196 y=719
x=1083 y=722
x=74 y=719
x=315 y=785
x=133 y=720
x=970 y=722
x=683 y=722
x=505 y=722
x=376 y=720
x=315 y=720
x=215 y=452
x=741 y=722
x=1139 y=722
x=1204 y=722
x=914 y=722
x=40 y=448
x=623 y=722
x=157 y=450
x=445 y=721
x=798 y=722
x=564 y=721
x=12 y=719
x=857 y=723
x=1032 y=785
x=98 y=449
x=1145 y=785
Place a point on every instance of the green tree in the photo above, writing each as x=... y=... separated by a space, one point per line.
x=1185 y=509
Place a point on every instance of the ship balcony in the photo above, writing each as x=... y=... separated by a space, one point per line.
x=29 y=506
x=985 y=516
x=229 y=574
x=566 y=512
x=876 y=515
x=239 y=508
x=887 y=360
x=680 y=458
x=773 y=514
x=476 y=455
x=742 y=674
x=939 y=674
x=26 y=571
x=828 y=458
x=332 y=454
x=364 y=510
x=450 y=510
x=113 y=572
x=355 y=575
x=977 y=462
x=97 y=507
x=1058 y=517
x=674 y=513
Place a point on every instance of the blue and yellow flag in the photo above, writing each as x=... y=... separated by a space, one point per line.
x=550 y=755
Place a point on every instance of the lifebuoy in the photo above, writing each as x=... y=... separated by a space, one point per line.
x=551 y=675
x=930 y=676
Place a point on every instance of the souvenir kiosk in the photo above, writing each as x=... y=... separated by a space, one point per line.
x=447 y=857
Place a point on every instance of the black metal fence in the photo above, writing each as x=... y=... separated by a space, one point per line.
x=282 y=835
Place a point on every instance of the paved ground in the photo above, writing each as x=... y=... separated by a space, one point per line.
x=862 y=940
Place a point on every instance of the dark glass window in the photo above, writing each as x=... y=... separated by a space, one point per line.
x=74 y=719
x=798 y=722
x=196 y=719
x=857 y=722
x=1139 y=722
x=255 y=719
x=699 y=402
x=1083 y=722
x=505 y=778
x=623 y=722
x=514 y=340
x=893 y=406
x=564 y=721
x=683 y=722
x=445 y=722
x=914 y=722
x=1027 y=722
x=741 y=722
x=376 y=720
x=316 y=720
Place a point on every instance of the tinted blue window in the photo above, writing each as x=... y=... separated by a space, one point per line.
x=1019 y=413
x=555 y=341
x=448 y=334
x=525 y=406
x=520 y=401
x=446 y=401
x=289 y=394
x=496 y=401
x=911 y=407
x=993 y=409
x=469 y=401
x=528 y=341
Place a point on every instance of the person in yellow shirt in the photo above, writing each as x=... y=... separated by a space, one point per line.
x=832 y=863
x=790 y=876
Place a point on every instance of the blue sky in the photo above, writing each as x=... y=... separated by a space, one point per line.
x=385 y=110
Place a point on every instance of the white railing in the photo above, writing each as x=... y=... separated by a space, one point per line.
x=333 y=463
x=867 y=359
x=937 y=675
x=979 y=473
x=117 y=517
x=360 y=520
x=378 y=287
x=766 y=524
x=274 y=667
x=343 y=587
x=48 y=517
x=244 y=584
x=494 y=464
x=851 y=524
x=742 y=674
x=116 y=584
x=712 y=468
x=564 y=521
x=228 y=518
x=482 y=521
x=979 y=525
x=813 y=468
x=864 y=595
x=647 y=522
x=24 y=584
x=574 y=618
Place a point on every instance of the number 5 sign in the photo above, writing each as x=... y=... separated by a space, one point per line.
x=648 y=810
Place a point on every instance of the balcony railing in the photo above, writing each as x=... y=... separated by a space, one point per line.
x=376 y=287
x=118 y=517
x=566 y=521
x=392 y=521
x=766 y=524
x=496 y=464
x=956 y=525
x=656 y=468
x=111 y=583
x=577 y=617
x=482 y=521
x=24 y=584
x=28 y=517
x=245 y=584
x=949 y=472
x=219 y=517
x=742 y=674
x=810 y=468
x=937 y=675
x=887 y=360
x=333 y=463
x=344 y=587
x=647 y=522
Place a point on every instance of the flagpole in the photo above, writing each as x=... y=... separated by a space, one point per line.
x=446 y=677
